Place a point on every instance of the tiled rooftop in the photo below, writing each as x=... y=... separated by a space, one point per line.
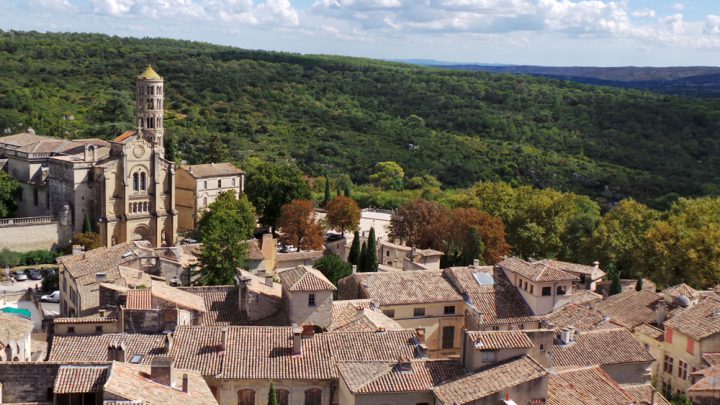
x=407 y=287
x=80 y=379
x=708 y=381
x=481 y=384
x=139 y=299
x=304 y=278
x=699 y=321
x=712 y=358
x=13 y=327
x=496 y=340
x=387 y=377
x=588 y=385
x=541 y=271
x=643 y=394
x=576 y=316
x=600 y=347
x=94 y=348
x=359 y=316
x=630 y=308
x=677 y=290
x=98 y=260
x=212 y=170
x=302 y=255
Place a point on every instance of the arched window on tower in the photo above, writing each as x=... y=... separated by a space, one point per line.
x=159 y=90
x=136 y=182
x=150 y=104
x=150 y=122
x=159 y=124
x=143 y=181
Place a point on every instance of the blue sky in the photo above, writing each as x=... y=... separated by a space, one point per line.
x=542 y=32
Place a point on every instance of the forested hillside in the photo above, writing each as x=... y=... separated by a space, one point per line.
x=342 y=115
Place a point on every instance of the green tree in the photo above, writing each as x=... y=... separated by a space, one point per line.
x=615 y=286
x=333 y=267
x=639 y=283
x=10 y=190
x=88 y=240
x=388 y=175
x=272 y=185
x=224 y=229
x=371 y=262
x=87 y=225
x=272 y=395
x=170 y=148
x=620 y=235
x=354 y=254
x=347 y=192
x=328 y=196
x=362 y=259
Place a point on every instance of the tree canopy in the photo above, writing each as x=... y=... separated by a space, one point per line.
x=271 y=185
x=224 y=229
x=299 y=227
x=343 y=214
x=10 y=190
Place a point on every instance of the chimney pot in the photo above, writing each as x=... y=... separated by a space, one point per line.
x=354 y=269
x=185 y=383
x=476 y=263
x=297 y=340
x=269 y=281
x=161 y=370
x=77 y=249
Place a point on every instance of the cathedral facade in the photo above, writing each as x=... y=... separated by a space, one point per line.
x=125 y=187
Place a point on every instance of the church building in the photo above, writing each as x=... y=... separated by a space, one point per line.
x=125 y=187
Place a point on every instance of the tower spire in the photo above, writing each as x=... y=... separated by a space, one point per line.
x=149 y=95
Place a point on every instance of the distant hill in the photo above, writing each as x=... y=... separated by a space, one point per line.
x=342 y=115
x=698 y=81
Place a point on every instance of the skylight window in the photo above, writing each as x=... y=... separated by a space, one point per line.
x=136 y=359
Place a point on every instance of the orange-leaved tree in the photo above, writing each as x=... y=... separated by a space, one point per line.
x=343 y=214
x=299 y=227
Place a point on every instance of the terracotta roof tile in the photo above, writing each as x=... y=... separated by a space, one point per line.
x=212 y=170
x=678 y=290
x=13 y=327
x=94 y=348
x=708 y=381
x=198 y=348
x=630 y=308
x=139 y=299
x=713 y=359
x=643 y=394
x=181 y=298
x=303 y=255
x=304 y=278
x=601 y=347
x=699 y=321
x=97 y=260
x=406 y=287
x=484 y=383
x=649 y=330
x=591 y=270
x=359 y=316
x=496 y=340
x=388 y=377
x=536 y=271
x=125 y=135
x=133 y=382
x=80 y=379
x=582 y=297
x=589 y=385
x=576 y=316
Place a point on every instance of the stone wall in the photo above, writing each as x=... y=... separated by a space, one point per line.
x=24 y=234
x=27 y=382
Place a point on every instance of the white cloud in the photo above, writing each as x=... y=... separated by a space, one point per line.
x=712 y=25
x=678 y=6
x=644 y=13
x=268 y=12
x=52 y=4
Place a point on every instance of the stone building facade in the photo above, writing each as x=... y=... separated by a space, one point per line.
x=125 y=187
x=199 y=185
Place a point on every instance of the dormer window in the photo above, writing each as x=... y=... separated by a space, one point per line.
x=561 y=290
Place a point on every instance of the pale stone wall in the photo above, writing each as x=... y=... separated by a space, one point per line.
x=301 y=313
x=541 y=304
x=227 y=390
x=43 y=235
x=27 y=382
x=86 y=328
x=631 y=373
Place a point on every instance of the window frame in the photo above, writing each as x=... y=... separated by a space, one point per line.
x=449 y=310
x=311 y=300
x=448 y=339
x=418 y=312
x=549 y=292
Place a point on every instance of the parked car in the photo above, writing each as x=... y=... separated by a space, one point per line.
x=48 y=272
x=19 y=276
x=52 y=297
x=33 y=274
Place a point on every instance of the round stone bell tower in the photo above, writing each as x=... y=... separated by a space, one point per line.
x=149 y=95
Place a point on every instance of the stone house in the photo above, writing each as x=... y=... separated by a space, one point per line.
x=15 y=338
x=291 y=260
x=481 y=349
x=705 y=390
x=402 y=257
x=197 y=186
x=589 y=276
x=307 y=297
x=614 y=350
x=543 y=286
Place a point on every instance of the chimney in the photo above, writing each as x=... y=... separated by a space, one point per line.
x=116 y=352
x=660 y=313
x=596 y=265
x=223 y=340
x=404 y=365
x=269 y=281
x=297 y=340
x=412 y=254
x=308 y=331
x=161 y=370
x=354 y=269
x=243 y=294
x=185 y=383
x=567 y=335
x=476 y=263
x=77 y=249
x=168 y=343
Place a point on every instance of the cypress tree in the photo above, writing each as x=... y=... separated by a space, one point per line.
x=272 y=395
x=328 y=196
x=372 y=260
x=615 y=286
x=354 y=255
x=170 y=148
x=362 y=259
x=639 y=284
x=87 y=225
x=347 y=191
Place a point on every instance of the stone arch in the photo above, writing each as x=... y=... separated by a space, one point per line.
x=141 y=232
